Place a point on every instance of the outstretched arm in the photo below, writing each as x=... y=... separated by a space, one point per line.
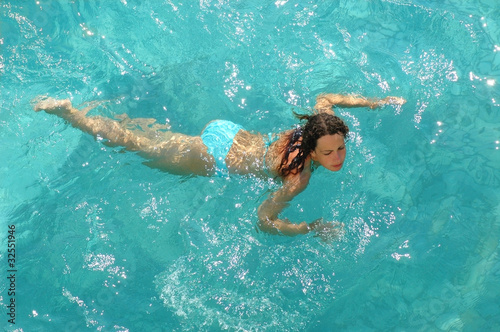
x=268 y=211
x=325 y=102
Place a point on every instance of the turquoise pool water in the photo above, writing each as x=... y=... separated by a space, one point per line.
x=105 y=243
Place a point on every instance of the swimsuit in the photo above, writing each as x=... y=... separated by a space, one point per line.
x=218 y=137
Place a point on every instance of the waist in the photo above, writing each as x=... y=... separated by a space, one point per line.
x=248 y=154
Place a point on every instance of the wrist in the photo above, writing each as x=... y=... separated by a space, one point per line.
x=305 y=228
x=311 y=227
x=375 y=104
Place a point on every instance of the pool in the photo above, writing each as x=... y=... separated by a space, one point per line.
x=103 y=242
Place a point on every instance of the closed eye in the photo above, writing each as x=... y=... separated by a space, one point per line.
x=326 y=153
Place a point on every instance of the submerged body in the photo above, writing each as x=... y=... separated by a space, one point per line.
x=226 y=148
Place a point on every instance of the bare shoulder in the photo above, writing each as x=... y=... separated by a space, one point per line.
x=276 y=150
x=297 y=182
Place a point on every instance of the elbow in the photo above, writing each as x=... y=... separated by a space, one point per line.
x=267 y=227
x=266 y=224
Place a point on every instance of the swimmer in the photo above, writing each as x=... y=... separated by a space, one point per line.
x=225 y=148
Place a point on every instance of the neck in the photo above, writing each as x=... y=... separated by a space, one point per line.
x=308 y=164
x=311 y=164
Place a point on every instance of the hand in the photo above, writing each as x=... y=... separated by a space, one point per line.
x=386 y=101
x=392 y=101
x=328 y=232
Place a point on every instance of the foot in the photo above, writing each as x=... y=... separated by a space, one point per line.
x=52 y=106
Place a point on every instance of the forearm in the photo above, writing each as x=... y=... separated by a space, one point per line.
x=270 y=223
x=269 y=210
x=325 y=102
x=283 y=227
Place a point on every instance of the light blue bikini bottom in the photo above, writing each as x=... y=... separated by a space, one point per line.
x=218 y=137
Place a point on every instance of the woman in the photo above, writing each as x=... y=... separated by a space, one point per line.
x=226 y=148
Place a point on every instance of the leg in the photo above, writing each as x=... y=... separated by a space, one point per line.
x=97 y=126
x=173 y=152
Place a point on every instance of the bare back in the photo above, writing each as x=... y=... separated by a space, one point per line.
x=252 y=154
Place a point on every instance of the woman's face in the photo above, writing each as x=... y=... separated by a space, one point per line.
x=330 y=152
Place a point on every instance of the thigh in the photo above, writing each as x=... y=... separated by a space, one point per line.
x=183 y=155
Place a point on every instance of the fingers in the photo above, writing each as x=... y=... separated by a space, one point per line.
x=329 y=232
x=394 y=100
x=38 y=103
x=387 y=101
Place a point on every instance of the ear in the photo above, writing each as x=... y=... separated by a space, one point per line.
x=313 y=155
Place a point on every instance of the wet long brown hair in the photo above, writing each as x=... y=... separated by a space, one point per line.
x=316 y=126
